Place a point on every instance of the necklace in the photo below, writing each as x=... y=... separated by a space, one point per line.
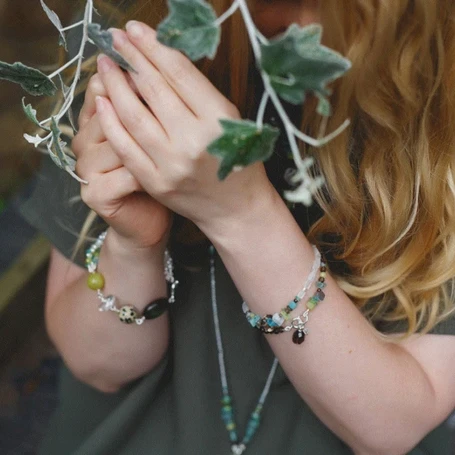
x=227 y=409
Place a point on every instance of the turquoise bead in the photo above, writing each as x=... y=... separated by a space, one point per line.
x=253 y=319
x=292 y=305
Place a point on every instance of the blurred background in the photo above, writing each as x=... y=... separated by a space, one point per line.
x=28 y=362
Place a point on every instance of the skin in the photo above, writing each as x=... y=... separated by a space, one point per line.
x=143 y=160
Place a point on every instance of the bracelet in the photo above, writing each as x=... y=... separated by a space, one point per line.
x=128 y=314
x=277 y=319
x=271 y=324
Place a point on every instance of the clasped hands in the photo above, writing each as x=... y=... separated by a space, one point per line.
x=143 y=138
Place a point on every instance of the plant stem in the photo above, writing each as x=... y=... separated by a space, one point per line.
x=261 y=110
x=228 y=13
x=62 y=68
x=64 y=29
x=261 y=37
x=326 y=139
x=87 y=15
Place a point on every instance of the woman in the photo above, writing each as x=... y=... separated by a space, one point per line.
x=386 y=227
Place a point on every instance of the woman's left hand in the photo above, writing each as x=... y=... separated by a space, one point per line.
x=161 y=134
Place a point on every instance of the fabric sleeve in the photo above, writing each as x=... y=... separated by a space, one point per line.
x=56 y=210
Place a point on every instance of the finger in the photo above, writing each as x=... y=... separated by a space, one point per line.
x=104 y=193
x=139 y=163
x=161 y=98
x=99 y=160
x=136 y=118
x=196 y=91
x=95 y=88
x=91 y=134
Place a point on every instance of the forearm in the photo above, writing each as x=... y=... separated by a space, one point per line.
x=372 y=394
x=97 y=347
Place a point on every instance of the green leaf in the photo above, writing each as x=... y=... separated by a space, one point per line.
x=297 y=63
x=104 y=40
x=31 y=80
x=31 y=114
x=242 y=143
x=57 y=147
x=52 y=15
x=190 y=27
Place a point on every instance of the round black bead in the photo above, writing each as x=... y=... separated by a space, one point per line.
x=156 y=308
x=298 y=337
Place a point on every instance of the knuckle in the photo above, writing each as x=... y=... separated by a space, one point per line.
x=136 y=120
x=152 y=90
x=230 y=110
x=95 y=86
x=179 y=70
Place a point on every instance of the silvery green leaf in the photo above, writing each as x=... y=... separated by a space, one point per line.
x=190 y=27
x=304 y=193
x=242 y=143
x=31 y=80
x=70 y=115
x=104 y=41
x=35 y=140
x=57 y=146
x=52 y=15
x=297 y=63
x=31 y=115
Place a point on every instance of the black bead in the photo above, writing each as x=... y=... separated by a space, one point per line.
x=156 y=308
x=298 y=337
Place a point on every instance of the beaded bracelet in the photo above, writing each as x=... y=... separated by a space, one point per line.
x=128 y=314
x=277 y=319
x=269 y=326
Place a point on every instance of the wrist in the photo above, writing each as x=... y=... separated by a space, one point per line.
x=126 y=248
x=254 y=212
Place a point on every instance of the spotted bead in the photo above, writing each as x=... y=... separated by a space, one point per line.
x=127 y=314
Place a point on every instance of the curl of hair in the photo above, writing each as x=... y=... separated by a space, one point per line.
x=390 y=192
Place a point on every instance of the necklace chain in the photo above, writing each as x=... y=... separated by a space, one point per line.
x=237 y=448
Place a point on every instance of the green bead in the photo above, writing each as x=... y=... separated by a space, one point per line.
x=226 y=400
x=95 y=281
x=311 y=303
x=230 y=426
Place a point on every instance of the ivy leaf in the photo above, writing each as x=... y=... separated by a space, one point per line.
x=31 y=80
x=52 y=15
x=31 y=115
x=190 y=27
x=242 y=143
x=297 y=63
x=105 y=42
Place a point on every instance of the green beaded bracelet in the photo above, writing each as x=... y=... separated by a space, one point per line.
x=127 y=314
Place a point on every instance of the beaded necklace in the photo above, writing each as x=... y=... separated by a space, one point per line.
x=227 y=409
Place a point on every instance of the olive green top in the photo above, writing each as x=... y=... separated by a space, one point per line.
x=176 y=408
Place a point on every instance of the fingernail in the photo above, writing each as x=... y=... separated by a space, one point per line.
x=99 y=104
x=118 y=35
x=134 y=29
x=104 y=63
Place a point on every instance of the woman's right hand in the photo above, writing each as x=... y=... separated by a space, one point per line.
x=112 y=192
